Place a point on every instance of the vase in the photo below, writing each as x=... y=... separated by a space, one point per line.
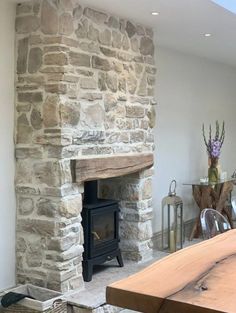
x=213 y=173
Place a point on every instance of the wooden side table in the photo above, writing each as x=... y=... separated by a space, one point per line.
x=209 y=195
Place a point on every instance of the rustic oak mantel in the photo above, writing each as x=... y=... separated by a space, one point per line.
x=107 y=166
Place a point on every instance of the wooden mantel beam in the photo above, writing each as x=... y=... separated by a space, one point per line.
x=107 y=166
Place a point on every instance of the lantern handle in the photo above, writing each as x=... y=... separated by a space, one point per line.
x=172 y=191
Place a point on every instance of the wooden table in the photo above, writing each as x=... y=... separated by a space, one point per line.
x=197 y=279
x=208 y=195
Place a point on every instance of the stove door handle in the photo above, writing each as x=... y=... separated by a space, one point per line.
x=96 y=235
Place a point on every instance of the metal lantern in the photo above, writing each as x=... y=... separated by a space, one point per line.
x=172 y=220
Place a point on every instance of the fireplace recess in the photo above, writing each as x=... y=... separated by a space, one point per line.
x=100 y=220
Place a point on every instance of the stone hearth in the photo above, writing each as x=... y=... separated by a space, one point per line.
x=84 y=88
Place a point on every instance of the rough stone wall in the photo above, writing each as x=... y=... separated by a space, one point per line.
x=134 y=192
x=85 y=85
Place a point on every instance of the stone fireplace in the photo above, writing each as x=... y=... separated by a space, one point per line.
x=84 y=110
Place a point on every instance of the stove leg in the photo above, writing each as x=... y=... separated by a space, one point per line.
x=87 y=270
x=119 y=259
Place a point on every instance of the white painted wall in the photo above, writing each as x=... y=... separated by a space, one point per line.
x=190 y=91
x=7 y=166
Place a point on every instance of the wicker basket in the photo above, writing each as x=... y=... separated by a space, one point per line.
x=45 y=300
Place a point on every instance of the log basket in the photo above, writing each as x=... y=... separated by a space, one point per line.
x=44 y=301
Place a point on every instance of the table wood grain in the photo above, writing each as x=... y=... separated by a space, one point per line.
x=197 y=279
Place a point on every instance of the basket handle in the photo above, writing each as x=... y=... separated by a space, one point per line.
x=57 y=303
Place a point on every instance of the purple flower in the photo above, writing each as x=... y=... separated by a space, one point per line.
x=215 y=146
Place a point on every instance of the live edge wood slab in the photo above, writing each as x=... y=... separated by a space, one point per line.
x=101 y=167
x=197 y=279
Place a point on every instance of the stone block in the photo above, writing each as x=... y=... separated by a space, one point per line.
x=29 y=152
x=50 y=111
x=62 y=244
x=136 y=231
x=149 y=32
x=102 y=81
x=88 y=83
x=126 y=57
x=141 y=100
x=151 y=70
x=73 y=252
x=31 y=97
x=130 y=29
x=91 y=47
x=135 y=245
x=113 y=22
x=47 y=207
x=22 y=55
x=79 y=59
x=147 y=189
x=66 y=5
x=77 y=12
x=108 y=52
x=105 y=37
x=25 y=205
x=110 y=101
x=137 y=136
x=96 y=16
x=36 y=226
x=134 y=44
x=27 y=24
x=56 y=59
x=146 y=46
x=59 y=88
x=34 y=253
x=131 y=83
x=125 y=42
x=35 y=60
x=100 y=63
x=23 y=8
x=116 y=39
x=122 y=84
x=88 y=136
x=142 y=89
x=35 y=39
x=76 y=283
x=70 y=113
x=93 y=33
x=92 y=115
x=23 y=172
x=52 y=173
x=26 y=190
x=112 y=81
x=60 y=276
x=49 y=18
x=71 y=207
x=135 y=111
x=91 y=96
x=151 y=117
x=66 y=26
x=36 y=119
x=21 y=245
x=151 y=92
x=151 y=80
x=141 y=216
x=82 y=29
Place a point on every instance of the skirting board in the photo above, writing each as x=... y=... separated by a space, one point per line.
x=156 y=238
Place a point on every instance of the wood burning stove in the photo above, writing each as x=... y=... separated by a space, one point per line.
x=100 y=223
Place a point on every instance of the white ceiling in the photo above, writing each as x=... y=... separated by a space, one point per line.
x=181 y=24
